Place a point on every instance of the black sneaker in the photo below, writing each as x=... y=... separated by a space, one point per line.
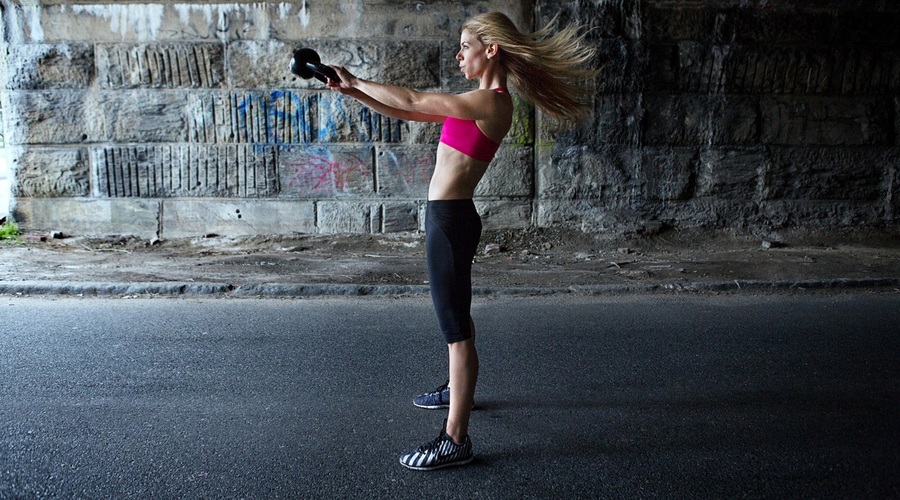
x=442 y=452
x=434 y=400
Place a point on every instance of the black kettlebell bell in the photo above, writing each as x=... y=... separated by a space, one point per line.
x=306 y=64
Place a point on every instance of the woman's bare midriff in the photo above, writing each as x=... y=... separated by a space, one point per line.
x=455 y=175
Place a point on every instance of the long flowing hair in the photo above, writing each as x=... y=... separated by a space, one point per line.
x=548 y=69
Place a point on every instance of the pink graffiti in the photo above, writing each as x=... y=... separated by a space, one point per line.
x=324 y=173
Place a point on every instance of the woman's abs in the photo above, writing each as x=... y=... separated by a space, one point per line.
x=455 y=175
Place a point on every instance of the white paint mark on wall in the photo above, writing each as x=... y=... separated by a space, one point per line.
x=186 y=10
x=12 y=27
x=33 y=14
x=304 y=14
x=17 y=18
x=216 y=17
x=141 y=20
x=284 y=11
x=260 y=16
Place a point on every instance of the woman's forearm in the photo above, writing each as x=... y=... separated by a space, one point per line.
x=393 y=96
x=391 y=111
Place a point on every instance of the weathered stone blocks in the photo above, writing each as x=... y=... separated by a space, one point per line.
x=90 y=217
x=688 y=119
x=822 y=174
x=510 y=174
x=197 y=65
x=504 y=214
x=184 y=170
x=897 y=121
x=819 y=214
x=893 y=187
x=147 y=22
x=53 y=117
x=621 y=64
x=736 y=68
x=578 y=173
x=607 y=19
x=385 y=18
x=187 y=218
x=51 y=172
x=404 y=171
x=667 y=174
x=704 y=113
x=48 y=66
x=617 y=119
x=335 y=217
x=400 y=217
x=803 y=121
x=264 y=64
x=733 y=174
x=522 y=130
x=145 y=116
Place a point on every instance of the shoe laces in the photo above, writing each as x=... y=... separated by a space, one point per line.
x=441 y=388
x=435 y=443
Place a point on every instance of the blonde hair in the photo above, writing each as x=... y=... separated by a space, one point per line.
x=549 y=70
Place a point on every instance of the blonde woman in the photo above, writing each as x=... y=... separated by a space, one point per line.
x=546 y=70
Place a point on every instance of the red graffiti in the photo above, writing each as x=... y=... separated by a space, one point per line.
x=324 y=173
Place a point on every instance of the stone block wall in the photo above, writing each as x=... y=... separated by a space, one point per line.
x=727 y=113
x=180 y=119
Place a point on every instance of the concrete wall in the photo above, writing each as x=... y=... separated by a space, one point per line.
x=179 y=119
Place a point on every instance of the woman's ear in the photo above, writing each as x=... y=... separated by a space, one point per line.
x=492 y=50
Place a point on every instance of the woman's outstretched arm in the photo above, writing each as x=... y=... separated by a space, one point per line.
x=386 y=110
x=396 y=99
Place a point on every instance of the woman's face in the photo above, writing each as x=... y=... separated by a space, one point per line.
x=472 y=55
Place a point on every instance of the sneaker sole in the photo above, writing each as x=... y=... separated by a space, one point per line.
x=436 y=407
x=431 y=407
x=436 y=467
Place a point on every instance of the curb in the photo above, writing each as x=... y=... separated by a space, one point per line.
x=286 y=290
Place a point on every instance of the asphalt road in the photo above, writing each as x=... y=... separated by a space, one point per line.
x=622 y=397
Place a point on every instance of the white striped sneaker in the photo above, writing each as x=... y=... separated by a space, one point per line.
x=442 y=452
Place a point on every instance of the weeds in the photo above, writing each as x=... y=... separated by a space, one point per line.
x=9 y=232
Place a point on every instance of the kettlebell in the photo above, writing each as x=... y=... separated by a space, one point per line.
x=306 y=64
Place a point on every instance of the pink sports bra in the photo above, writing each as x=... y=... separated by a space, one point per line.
x=465 y=137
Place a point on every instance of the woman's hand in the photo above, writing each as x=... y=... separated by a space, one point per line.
x=347 y=83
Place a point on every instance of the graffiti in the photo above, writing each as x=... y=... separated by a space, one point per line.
x=279 y=117
x=324 y=172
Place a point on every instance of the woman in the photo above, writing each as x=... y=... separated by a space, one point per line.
x=546 y=70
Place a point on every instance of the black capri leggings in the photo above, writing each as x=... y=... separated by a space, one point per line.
x=452 y=231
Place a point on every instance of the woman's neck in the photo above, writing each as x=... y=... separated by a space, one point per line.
x=492 y=79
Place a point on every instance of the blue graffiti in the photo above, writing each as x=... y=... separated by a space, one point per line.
x=362 y=126
x=279 y=117
x=332 y=119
